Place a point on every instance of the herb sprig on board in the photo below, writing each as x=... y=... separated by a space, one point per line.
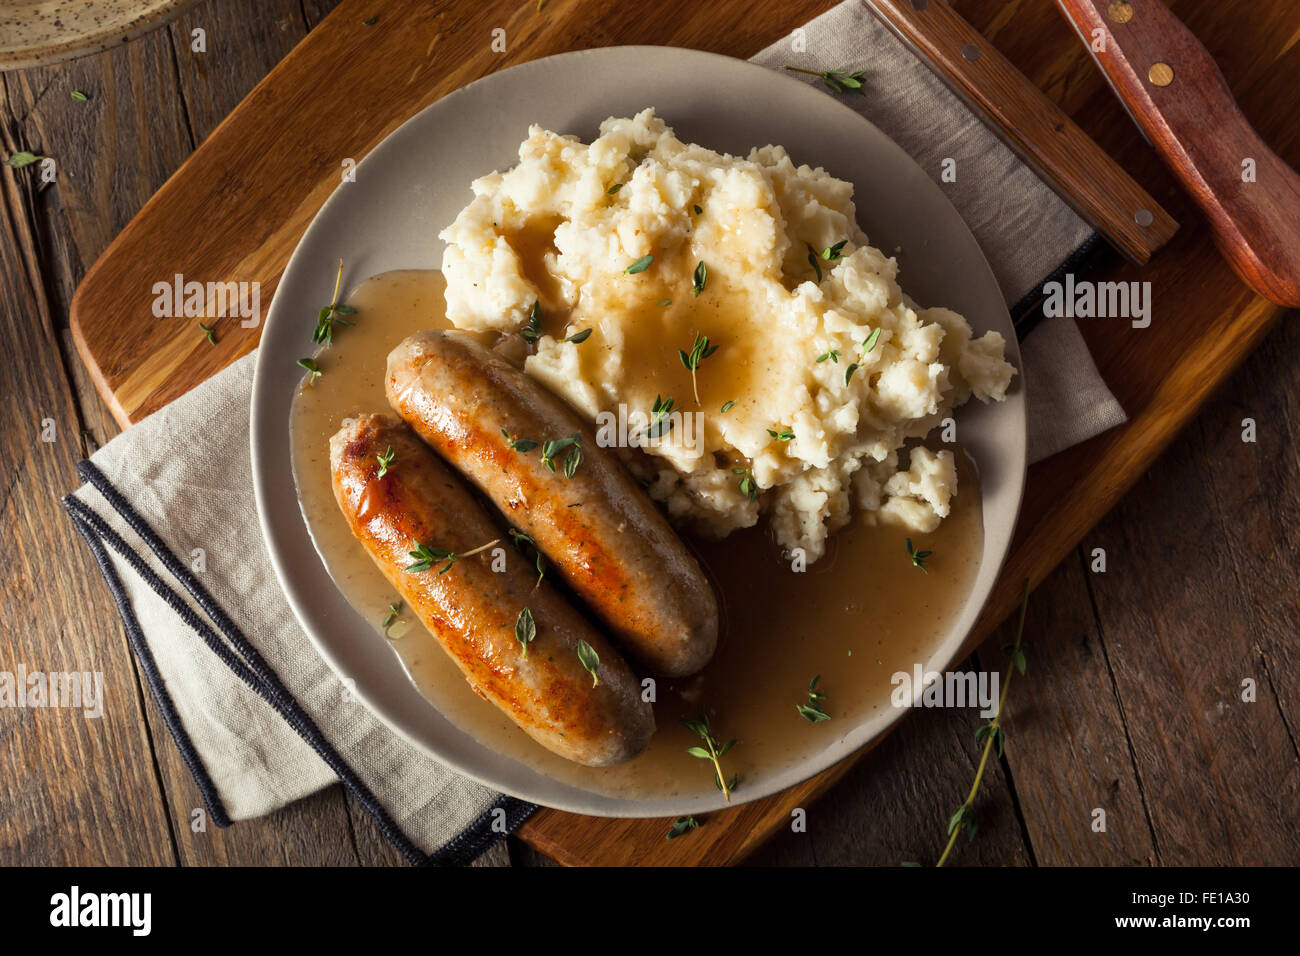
x=991 y=734
x=680 y=826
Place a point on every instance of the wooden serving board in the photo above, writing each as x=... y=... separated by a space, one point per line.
x=235 y=209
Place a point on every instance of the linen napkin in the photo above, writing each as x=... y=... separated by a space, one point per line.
x=259 y=718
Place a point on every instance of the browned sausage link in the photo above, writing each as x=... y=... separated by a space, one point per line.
x=472 y=610
x=600 y=530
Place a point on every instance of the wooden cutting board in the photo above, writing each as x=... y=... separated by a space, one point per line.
x=235 y=210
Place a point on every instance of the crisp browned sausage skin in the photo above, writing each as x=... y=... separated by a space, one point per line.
x=600 y=530
x=471 y=610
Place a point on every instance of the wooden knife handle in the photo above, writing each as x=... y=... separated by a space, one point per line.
x=1034 y=127
x=1177 y=96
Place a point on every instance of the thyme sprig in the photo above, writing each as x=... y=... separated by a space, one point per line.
x=328 y=315
x=813 y=712
x=525 y=630
x=681 y=825
x=918 y=557
x=660 y=414
x=523 y=540
x=748 y=486
x=700 y=350
x=838 y=81
x=426 y=557
x=590 y=661
x=963 y=818
x=712 y=751
x=312 y=368
x=533 y=330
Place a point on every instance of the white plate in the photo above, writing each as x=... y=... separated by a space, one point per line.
x=415 y=182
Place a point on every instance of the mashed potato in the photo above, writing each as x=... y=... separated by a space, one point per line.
x=824 y=371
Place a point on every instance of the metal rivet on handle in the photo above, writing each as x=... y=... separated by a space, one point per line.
x=1160 y=74
x=1121 y=11
x=1144 y=217
x=970 y=51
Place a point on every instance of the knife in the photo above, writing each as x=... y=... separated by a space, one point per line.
x=1177 y=96
x=1030 y=124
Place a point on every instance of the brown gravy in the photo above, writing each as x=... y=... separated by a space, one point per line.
x=855 y=618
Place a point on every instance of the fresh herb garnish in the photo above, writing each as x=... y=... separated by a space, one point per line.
x=726 y=406
x=664 y=303
x=700 y=350
x=385 y=461
x=553 y=447
x=991 y=734
x=698 y=210
x=748 y=486
x=79 y=96
x=525 y=630
x=832 y=354
x=641 y=265
x=832 y=253
x=711 y=751
x=838 y=81
x=848 y=372
x=393 y=611
x=659 y=413
x=680 y=826
x=310 y=365
x=699 y=278
x=22 y=159
x=813 y=711
x=572 y=460
x=785 y=434
x=515 y=443
x=812 y=260
x=327 y=316
x=208 y=333
x=425 y=557
x=521 y=540
x=590 y=660
x=614 y=188
x=918 y=557
x=371 y=20
x=533 y=330
x=577 y=338
x=870 y=341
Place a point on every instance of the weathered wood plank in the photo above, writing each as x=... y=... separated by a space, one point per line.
x=1067 y=745
x=73 y=789
x=1221 y=776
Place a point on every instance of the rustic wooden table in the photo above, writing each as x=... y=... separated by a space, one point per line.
x=1201 y=590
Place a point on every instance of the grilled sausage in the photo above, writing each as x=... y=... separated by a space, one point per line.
x=472 y=610
x=601 y=531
